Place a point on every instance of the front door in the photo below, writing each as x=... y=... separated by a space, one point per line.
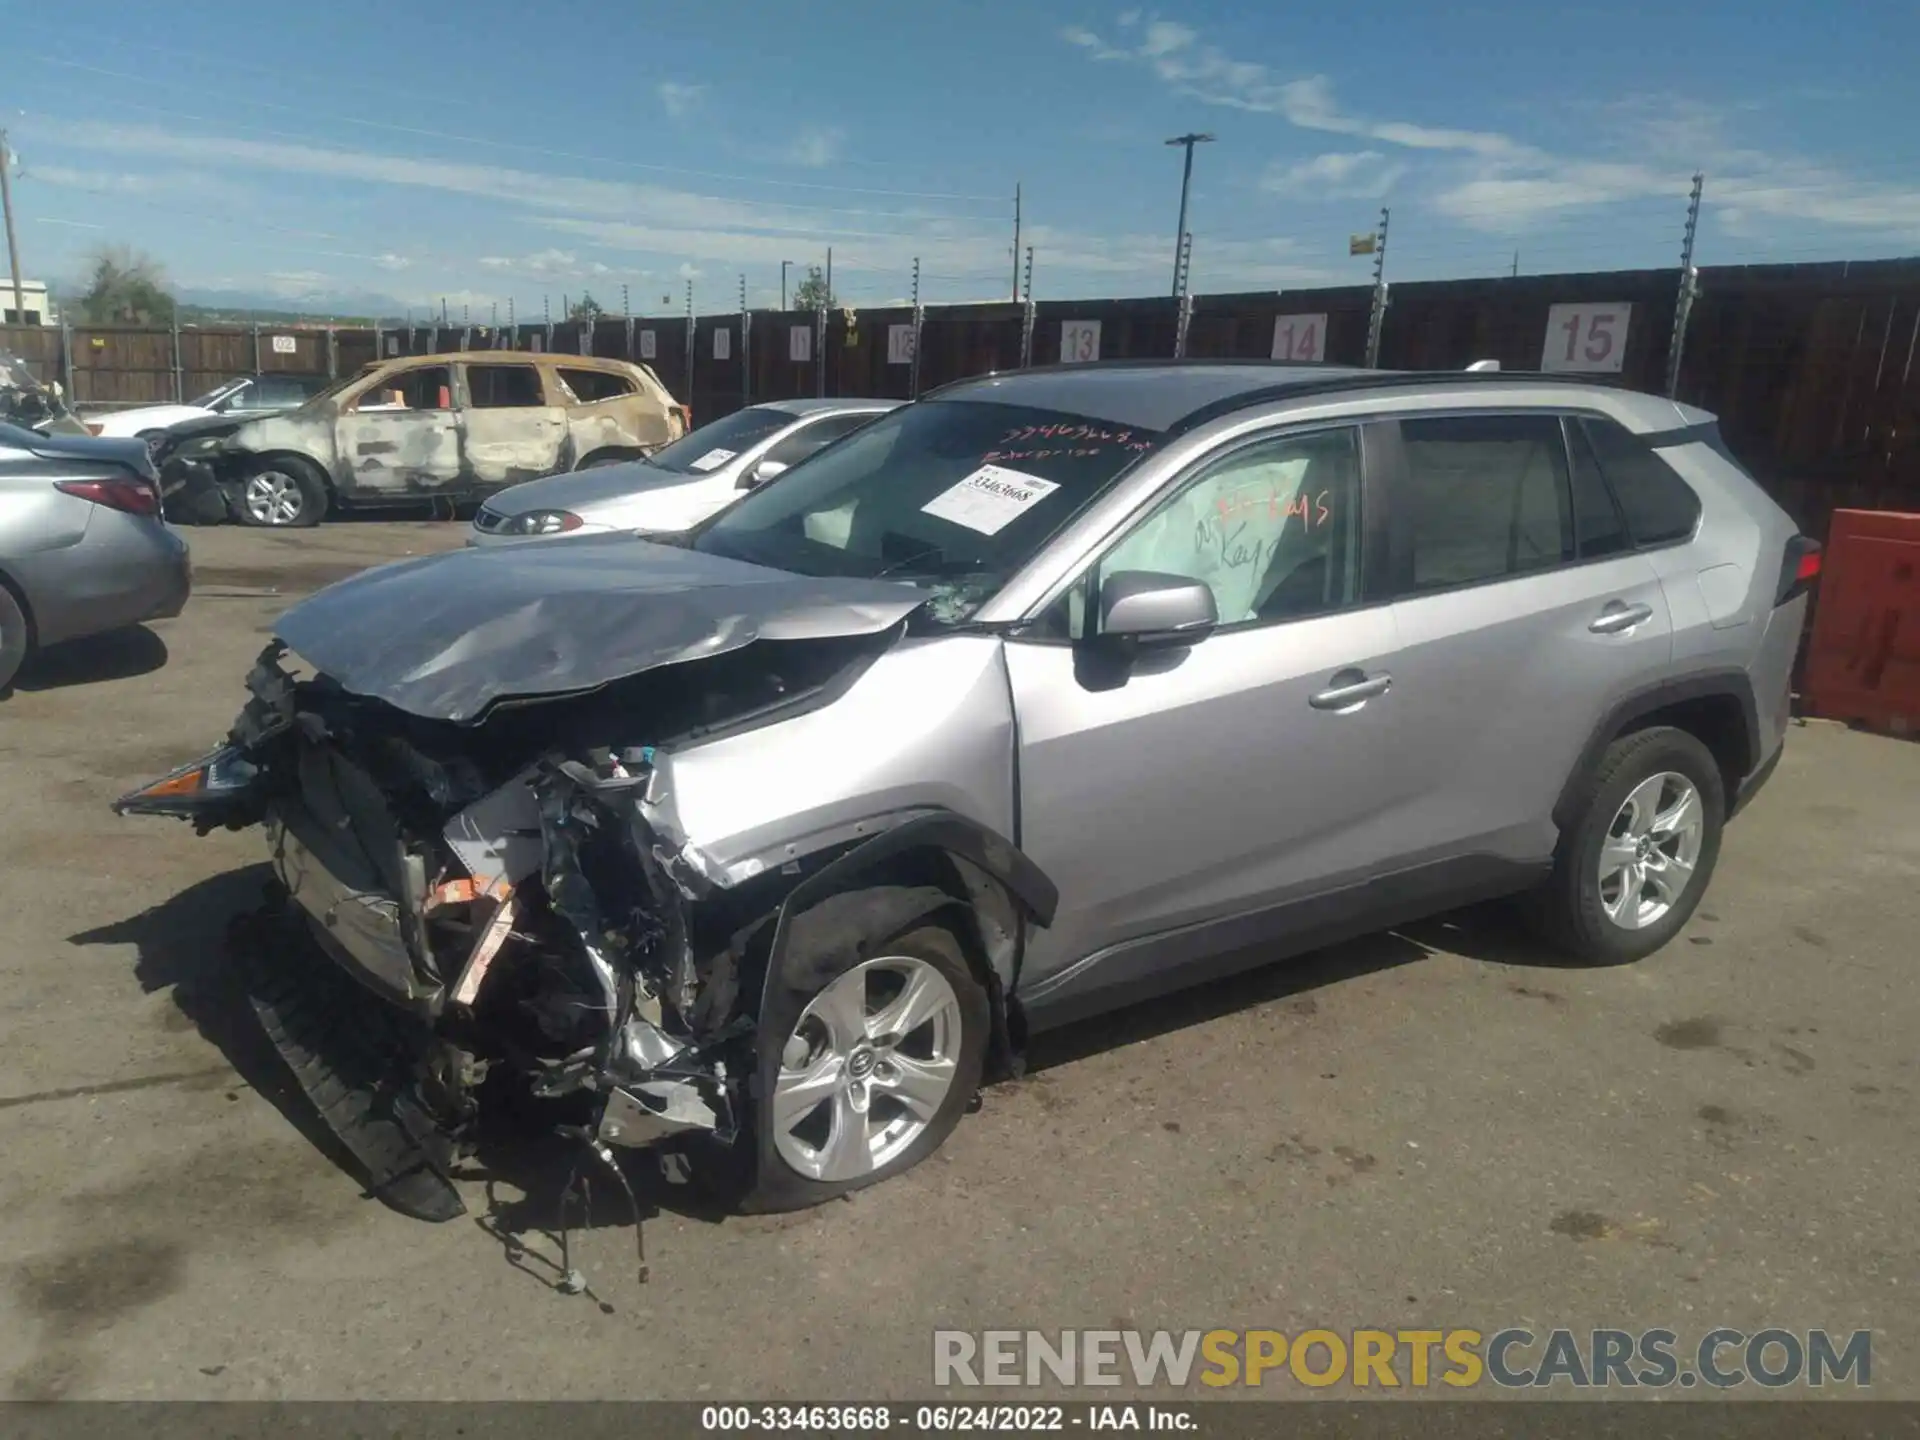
x=402 y=437
x=512 y=432
x=1523 y=616
x=1186 y=806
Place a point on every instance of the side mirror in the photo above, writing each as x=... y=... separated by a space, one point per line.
x=1149 y=610
x=761 y=473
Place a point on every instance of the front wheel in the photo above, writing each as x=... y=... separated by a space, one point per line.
x=869 y=1050
x=1637 y=858
x=282 y=493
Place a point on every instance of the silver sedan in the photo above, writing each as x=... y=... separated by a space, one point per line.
x=678 y=486
x=83 y=548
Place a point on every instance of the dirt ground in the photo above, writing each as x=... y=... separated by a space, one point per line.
x=1436 y=1128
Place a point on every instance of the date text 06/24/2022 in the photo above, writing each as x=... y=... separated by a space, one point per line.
x=945 y=1419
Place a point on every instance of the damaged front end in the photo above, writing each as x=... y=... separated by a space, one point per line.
x=497 y=884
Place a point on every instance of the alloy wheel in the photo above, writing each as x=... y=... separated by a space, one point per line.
x=274 y=497
x=1651 y=851
x=866 y=1068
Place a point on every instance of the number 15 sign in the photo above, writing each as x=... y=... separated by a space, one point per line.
x=1590 y=338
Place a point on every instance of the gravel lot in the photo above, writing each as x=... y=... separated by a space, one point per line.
x=1440 y=1128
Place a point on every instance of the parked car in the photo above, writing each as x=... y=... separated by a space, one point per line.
x=677 y=487
x=83 y=549
x=32 y=405
x=452 y=428
x=1053 y=691
x=244 y=396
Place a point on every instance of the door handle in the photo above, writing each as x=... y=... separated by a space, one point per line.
x=1618 y=618
x=1350 y=690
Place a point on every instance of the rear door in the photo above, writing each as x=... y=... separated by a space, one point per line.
x=511 y=429
x=1523 y=614
x=401 y=436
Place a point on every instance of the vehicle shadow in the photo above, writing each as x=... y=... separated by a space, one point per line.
x=116 y=655
x=184 y=946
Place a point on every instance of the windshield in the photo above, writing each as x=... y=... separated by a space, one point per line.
x=712 y=446
x=215 y=395
x=955 y=493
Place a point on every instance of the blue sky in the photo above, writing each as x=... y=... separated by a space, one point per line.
x=487 y=151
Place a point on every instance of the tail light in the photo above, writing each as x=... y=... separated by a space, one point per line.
x=686 y=418
x=133 y=497
x=1799 y=568
x=94 y=427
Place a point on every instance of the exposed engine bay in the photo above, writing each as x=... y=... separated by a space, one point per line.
x=501 y=885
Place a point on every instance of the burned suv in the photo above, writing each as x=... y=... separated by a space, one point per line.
x=451 y=428
x=1050 y=692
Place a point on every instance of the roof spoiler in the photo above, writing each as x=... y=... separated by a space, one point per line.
x=1484 y=365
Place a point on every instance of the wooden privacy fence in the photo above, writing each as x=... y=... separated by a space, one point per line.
x=1811 y=368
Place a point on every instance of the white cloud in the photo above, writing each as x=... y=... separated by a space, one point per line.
x=550 y=264
x=391 y=261
x=814 y=147
x=1358 y=174
x=680 y=100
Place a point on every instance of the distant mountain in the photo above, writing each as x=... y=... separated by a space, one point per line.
x=355 y=307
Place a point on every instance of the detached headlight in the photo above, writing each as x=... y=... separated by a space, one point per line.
x=541 y=522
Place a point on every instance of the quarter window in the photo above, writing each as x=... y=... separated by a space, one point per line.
x=591 y=385
x=1272 y=529
x=1486 y=497
x=794 y=448
x=1660 y=507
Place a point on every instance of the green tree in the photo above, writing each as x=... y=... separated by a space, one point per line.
x=126 y=288
x=812 y=293
x=586 y=308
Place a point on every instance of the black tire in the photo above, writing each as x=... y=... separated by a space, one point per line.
x=16 y=637
x=308 y=488
x=840 y=933
x=1569 y=907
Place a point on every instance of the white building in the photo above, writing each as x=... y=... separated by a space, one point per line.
x=34 y=300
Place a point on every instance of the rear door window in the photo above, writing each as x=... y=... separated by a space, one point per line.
x=1660 y=508
x=1598 y=529
x=504 y=387
x=1484 y=497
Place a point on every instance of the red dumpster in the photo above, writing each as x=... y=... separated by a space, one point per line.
x=1864 y=660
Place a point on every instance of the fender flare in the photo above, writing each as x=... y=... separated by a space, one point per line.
x=1729 y=684
x=1024 y=882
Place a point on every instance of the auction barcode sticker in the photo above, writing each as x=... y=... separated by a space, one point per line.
x=989 y=499
x=714 y=459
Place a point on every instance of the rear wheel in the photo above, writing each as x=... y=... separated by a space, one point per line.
x=282 y=493
x=16 y=637
x=1633 y=865
x=868 y=1051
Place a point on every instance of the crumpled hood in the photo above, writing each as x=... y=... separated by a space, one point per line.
x=446 y=635
x=577 y=489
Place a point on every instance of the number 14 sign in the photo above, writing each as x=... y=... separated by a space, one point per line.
x=1590 y=338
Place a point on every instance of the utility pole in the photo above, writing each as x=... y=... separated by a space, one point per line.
x=13 y=246
x=1186 y=181
x=1029 y=274
x=1683 y=304
x=829 y=272
x=785 y=265
x=1016 y=242
x=1378 y=319
x=1027 y=316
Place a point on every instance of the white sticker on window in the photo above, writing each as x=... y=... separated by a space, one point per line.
x=989 y=499
x=714 y=459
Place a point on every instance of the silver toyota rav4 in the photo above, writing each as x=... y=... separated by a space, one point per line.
x=1050 y=692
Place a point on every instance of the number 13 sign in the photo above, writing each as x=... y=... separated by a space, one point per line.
x=1588 y=337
